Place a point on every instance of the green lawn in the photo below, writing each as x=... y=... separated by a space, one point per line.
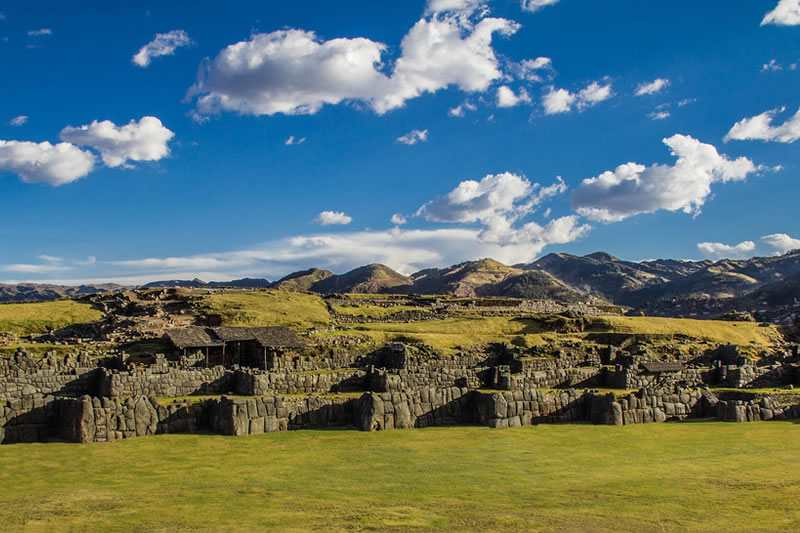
x=658 y=477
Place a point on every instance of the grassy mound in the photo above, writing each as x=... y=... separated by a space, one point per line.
x=267 y=308
x=24 y=319
x=742 y=333
x=656 y=477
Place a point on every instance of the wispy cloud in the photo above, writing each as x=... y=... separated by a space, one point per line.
x=291 y=141
x=413 y=137
x=18 y=121
x=164 y=44
x=653 y=87
x=38 y=33
x=760 y=128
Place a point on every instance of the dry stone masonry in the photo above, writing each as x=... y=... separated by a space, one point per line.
x=398 y=386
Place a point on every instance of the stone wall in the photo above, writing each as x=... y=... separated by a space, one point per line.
x=161 y=383
x=88 y=419
x=257 y=383
x=735 y=406
x=529 y=406
x=385 y=381
x=254 y=416
x=29 y=418
x=416 y=408
x=636 y=378
x=775 y=375
x=584 y=377
x=316 y=359
x=74 y=382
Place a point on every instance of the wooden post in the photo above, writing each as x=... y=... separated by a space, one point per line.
x=223 y=355
x=265 y=358
x=206 y=356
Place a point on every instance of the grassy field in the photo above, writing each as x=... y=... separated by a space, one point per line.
x=374 y=310
x=712 y=330
x=24 y=319
x=657 y=477
x=450 y=333
x=267 y=308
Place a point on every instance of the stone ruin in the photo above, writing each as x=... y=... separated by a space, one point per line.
x=83 y=399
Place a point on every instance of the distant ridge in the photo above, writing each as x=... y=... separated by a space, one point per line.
x=196 y=283
x=42 y=292
x=657 y=286
x=302 y=280
x=368 y=279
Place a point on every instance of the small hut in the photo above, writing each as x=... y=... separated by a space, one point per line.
x=227 y=346
x=195 y=339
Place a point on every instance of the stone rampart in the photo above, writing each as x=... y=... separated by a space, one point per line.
x=584 y=377
x=416 y=408
x=258 y=383
x=268 y=414
x=169 y=383
x=88 y=419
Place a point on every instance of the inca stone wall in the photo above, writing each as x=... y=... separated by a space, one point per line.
x=257 y=383
x=83 y=400
x=254 y=416
x=21 y=376
x=556 y=378
x=636 y=377
x=385 y=381
x=88 y=419
x=161 y=383
x=414 y=409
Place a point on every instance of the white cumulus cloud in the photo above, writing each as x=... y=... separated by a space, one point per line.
x=413 y=137
x=781 y=242
x=535 y=70
x=786 y=13
x=562 y=101
x=328 y=218
x=438 y=6
x=633 y=189
x=398 y=219
x=474 y=200
x=760 y=128
x=291 y=72
x=558 y=101
x=460 y=110
x=18 y=121
x=775 y=244
x=654 y=87
x=44 y=162
x=145 y=140
x=295 y=72
x=534 y=5
x=498 y=202
x=507 y=98
x=719 y=250
x=164 y=44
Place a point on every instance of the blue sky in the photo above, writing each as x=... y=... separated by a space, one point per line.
x=222 y=140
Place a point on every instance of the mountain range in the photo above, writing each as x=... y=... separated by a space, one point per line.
x=664 y=286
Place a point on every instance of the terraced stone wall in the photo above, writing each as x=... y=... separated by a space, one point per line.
x=257 y=383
